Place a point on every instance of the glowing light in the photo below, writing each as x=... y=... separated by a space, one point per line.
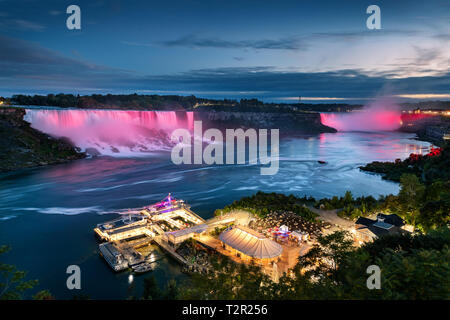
x=112 y=132
x=323 y=98
x=369 y=120
x=381 y=115
x=130 y=279
x=424 y=96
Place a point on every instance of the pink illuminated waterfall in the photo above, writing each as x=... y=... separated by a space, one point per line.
x=112 y=132
x=381 y=115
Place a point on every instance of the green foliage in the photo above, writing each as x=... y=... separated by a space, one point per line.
x=427 y=168
x=412 y=267
x=426 y=206
x=228 y=281
x=423 y=200
x=323 y=259
x=12 y=283
x=262 y=203
x=43 y=295
x=171 y=102
x=349 y=206
x=153 y=292
x=171 y=291
x=217 y=231
x=22 y=146
x=151 y=289
x=131 y=101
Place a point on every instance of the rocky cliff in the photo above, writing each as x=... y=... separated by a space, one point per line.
x=24 y=147
x=287 y=122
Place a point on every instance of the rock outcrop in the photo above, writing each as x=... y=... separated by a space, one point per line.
x=287 y=122
x=24 y=147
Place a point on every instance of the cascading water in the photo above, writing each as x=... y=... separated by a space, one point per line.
x=382 y=115
x=112 y=132
x=363 y=121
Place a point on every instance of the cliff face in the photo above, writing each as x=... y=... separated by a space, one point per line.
x=287 y=122
x=23 y=147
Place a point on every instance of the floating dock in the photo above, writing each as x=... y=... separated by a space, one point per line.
x=166 y=223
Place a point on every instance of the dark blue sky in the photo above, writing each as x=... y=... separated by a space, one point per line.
x=272 y=50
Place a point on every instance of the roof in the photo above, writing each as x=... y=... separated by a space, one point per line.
x=392 y=219
x=364 y=221
x=110 y=248
x=199 y=228
x=385 y=224
x=250 y=243
x=125 y=229
x=379 y=231
x=120 y=222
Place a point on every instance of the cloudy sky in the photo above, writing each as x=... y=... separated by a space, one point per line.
x=272 y=50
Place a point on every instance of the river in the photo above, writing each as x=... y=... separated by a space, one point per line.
x=47 y=214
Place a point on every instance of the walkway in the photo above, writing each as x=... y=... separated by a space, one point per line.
x=164 y=245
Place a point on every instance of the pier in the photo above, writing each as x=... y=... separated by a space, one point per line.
x=159 y=223
x=164 y=245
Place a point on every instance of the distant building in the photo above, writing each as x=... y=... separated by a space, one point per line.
x=438 y=133
x=368 y=230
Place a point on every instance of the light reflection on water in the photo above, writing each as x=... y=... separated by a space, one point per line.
x=55 y=208
x=110 y=183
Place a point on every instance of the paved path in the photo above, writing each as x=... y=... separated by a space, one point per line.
x=331 y=217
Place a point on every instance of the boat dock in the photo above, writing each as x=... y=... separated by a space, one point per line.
x=126 y=235
x=164 y=245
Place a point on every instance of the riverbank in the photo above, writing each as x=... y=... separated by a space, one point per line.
x=24 y=147
x=428 y=168
x=55 y=207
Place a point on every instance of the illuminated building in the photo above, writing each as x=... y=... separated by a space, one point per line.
x=248 y=245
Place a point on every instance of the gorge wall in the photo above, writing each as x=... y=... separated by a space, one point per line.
x=137 y=133
x=24 y=147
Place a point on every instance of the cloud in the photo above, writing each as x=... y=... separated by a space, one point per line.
x=299 y=42
x=27 y=66
x=192 y=41
x=24 y=63
x=442 y=36
x=20 y=24
x=349 y=83
x=295 y=43
x=426 y=55
x=15 y=51
x=353 y=35
x=54 y=12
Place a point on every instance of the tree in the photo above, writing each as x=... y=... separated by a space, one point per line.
x=228 y=280
x=348 y=198
x=43 y=295
x=323 y=259
x=151 y=289
x=12 y=283
x=172 y=291
x=410 y=197
x=412 y=267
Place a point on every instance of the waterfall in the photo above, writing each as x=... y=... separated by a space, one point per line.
x=112 y=132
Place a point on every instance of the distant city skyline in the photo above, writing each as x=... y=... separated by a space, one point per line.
x=270 y=50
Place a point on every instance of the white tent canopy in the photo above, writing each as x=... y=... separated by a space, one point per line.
x=251 y=243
